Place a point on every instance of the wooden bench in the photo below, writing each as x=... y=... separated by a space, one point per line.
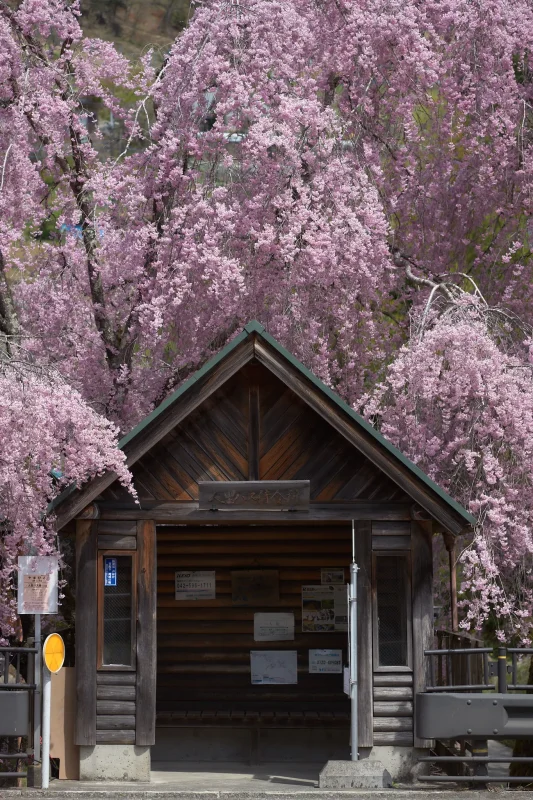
x=257 y=718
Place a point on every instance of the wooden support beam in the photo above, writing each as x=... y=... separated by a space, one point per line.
x=318 y=512
x=363 y=558
x=146 y=633
x=86 y=634
x=450 y=543
x=253 y=432
x=422 y=602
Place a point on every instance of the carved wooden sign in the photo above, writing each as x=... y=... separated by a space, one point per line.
x=259 y=495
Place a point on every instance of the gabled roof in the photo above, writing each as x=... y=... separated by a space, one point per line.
x=255 y=343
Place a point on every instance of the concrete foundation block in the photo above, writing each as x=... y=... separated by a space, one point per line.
x=366 y=774
x=401 y=762
x=114 y=762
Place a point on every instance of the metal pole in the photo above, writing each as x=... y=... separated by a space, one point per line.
x=47 y=699
x=37 y=694
x=502 y=670
x=353 y=660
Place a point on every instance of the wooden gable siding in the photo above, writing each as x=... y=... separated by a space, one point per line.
x=255 y=427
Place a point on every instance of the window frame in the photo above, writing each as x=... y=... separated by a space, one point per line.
x=101 y=667
x=405 y=555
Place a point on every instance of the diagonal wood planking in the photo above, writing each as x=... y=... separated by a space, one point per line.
x=291 y=442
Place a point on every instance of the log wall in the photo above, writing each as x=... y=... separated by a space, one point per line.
x=203 y=658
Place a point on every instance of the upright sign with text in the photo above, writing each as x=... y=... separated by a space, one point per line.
x=37 y=585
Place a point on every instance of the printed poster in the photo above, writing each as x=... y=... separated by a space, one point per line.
x=325 y=661
x=198 y=585
x=324 y=608
x=274 y=666
x=274 y=627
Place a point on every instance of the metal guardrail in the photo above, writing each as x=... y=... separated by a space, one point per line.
x=452 y=666
x=17 y=688
x=451 y=671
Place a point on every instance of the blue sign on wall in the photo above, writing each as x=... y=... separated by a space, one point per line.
x=110 y=571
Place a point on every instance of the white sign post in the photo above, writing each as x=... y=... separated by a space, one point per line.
x=54 y=657
x=37 y=594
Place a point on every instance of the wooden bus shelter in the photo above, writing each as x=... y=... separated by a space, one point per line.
x=250 y=477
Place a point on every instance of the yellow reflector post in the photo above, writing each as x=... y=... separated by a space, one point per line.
x=54 y=652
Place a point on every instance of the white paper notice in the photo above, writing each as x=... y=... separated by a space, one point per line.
x=325 y=661
x=274 y=627
x=274 y=666
x=37 y=588
x=195 y=585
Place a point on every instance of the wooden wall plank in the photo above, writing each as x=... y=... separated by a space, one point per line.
x=86 y=620
x=399 y=679
x=390 y=693
x=115 y=737
x=104 y=707
x=115 y=693
x=396 y=738
x=116 y=542
x=386 y=528
x=115 y=679
x=393 y=724
x=115 y=722
x=146 y=633
x=422 y=596
x=117 y=528
x=391 y=542
x=400 y=708
x=363 y=557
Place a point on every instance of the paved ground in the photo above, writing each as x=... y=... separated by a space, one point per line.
x=242 y=782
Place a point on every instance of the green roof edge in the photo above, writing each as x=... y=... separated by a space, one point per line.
x=171 y=399
x=255 y=327
x=368 y=428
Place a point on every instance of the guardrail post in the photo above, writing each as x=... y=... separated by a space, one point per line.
x=502 y=670
x=480 y=747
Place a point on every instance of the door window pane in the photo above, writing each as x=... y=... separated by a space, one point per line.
x=392 y=611
x=117 y=612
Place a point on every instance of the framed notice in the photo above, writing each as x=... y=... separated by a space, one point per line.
x=37 y=585
x=274 y=666
x=274 y=627
x=325 y=662
x=197 y=585
x=254 y=587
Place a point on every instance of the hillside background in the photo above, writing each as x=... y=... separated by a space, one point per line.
x=134 y=25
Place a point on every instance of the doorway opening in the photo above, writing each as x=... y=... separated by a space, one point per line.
x=219 y=695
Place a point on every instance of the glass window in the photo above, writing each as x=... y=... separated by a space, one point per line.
x=393 y=609
x=117 y=605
